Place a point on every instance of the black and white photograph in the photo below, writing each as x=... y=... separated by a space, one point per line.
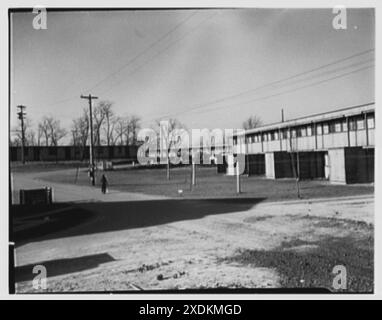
x=192 y=150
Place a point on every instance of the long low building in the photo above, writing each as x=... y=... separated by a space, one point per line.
x=337 y=146
x=70 y=153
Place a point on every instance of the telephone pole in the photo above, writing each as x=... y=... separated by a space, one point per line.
x=21 y=115
x=91 y=154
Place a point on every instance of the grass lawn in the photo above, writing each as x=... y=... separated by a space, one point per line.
x=210 y=184
x=309 y=264
x=43 y=166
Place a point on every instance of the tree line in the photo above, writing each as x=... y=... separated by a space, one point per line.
x=108 y=129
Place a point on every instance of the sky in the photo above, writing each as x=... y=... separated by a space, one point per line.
x=207 y=68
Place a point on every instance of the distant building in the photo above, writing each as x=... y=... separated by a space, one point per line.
x=71 y=153
x=337 y=145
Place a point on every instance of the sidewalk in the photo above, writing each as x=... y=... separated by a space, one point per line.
x=63 y=192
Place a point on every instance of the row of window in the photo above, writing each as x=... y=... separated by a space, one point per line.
x=355 y=123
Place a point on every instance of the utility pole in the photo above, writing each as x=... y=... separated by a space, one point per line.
x=91 y=154
x=21 y=115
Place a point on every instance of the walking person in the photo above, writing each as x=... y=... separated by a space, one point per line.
x=104 y=184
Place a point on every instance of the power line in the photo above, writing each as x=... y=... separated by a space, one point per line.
x=153 y=44
x=216 y=101
x=212 y=102
x=273 y=95
x=293 y=90
x=131 y=60
x=161 y=51
x=310 y=78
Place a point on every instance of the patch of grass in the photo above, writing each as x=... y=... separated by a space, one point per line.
x=313 y=268
x=210 y=184
x=43 y=166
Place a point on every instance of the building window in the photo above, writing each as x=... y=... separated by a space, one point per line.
x=276 y=135
x=344 y=126
x=269 y=136
x=265 y=137
x=370 y=122
x=294 y=133
x=337 y=127
x=360 y=124
x=325 y=128
x=285 y=134
x=319 y=129
x=309 y=131
x=352 y=125
x=332 y=127
x=303 y=131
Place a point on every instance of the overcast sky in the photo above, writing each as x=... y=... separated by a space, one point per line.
x=207 y=55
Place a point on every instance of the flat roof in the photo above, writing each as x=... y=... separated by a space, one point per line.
x=329 y=115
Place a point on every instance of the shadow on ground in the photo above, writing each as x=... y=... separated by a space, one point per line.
x=114 y=216
x=62 y=266
x=305 y=264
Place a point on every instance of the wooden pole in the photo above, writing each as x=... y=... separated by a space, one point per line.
x=91 y=152
x=21 y=115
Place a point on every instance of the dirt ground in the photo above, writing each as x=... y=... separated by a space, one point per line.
x=198 y=244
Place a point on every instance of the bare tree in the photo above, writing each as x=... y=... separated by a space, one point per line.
x=121 y=128
x=98 y=119
x=169 y=137
x=133 y=127
x=30 y=135
x=43 y=129
x=80 y=129
x=56 y=131
x=126 y=129
x=110 y=121
x=51 y=130
x=252 y=122
x=39 y=134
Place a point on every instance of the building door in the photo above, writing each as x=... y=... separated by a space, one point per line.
x=327 y=166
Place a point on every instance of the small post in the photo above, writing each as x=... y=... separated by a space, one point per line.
x=237 y=177
x=193 y=173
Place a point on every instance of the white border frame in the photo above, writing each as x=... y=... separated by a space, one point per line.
x=6 y=4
